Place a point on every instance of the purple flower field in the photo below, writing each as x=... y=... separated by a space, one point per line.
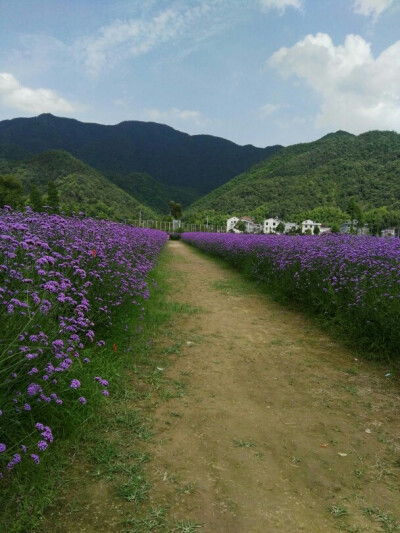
x=353 y=282
x=61 y=279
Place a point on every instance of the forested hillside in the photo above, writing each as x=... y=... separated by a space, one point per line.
x=81 y=188
x=326 y=173
x=151 y=192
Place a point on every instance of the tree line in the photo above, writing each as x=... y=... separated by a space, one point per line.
x=12 y=193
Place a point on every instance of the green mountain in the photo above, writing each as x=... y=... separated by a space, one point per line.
x=300 y=178
x=195 y=164
x=81 y=188
x=151 y=192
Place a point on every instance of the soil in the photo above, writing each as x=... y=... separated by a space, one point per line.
x=282 y=428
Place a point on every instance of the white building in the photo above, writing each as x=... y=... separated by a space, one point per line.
x=309 y=225
x=346 y=227
x=270 y=224
x=349 y=226
x=388 y=232
x=176 y=224
x=325 y=229
x=290 y=226
x=250 y=225
x=231 y=223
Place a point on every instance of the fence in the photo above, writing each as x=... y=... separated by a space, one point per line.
x=170 y=227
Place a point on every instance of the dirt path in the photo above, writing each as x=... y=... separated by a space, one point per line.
x=283 y=430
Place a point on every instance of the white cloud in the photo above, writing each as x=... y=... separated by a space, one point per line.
x=175 y=116
x=281 y=5
x=358 y=92
x=136 y=37
x=268 y=109
x=35 y=101
x=372 y=8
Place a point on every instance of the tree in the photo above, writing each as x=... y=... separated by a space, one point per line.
x=280 y=228
x=11 y=192
x=317 y=231
x=294 y=230
x=35 y=199
x=176 y=210
x=53 y=199
x=355 y=212
x=241 y=226
x=329 y=215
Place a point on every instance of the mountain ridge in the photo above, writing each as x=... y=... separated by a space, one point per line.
x=302 y=177
x=198 y=162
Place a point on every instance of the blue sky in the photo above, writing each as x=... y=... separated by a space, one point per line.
x=256 y=72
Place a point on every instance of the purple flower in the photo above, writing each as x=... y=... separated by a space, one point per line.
x=35 y=458
x=34 y=389
x=47 y=434
x=48 y=271
x=15 y=460
x=57 y=344
x=105 y=392
x=75 y=384
x=3 y=447
x=42 y=445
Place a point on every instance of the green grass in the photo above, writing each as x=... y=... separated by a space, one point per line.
x=188 y=488
x=244 y=443
x=338 y=511
x=388 y=523
x=234 y=287
x=186 y=527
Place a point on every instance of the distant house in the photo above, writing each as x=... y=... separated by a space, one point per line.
x=309 y=225
x=290 y=226
x=250 y=225
x=346 y=228
x=325 y=229
x=270 y=224
x=176 y=224
x=388 y=232
x=363 y=230
x=231 y=223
